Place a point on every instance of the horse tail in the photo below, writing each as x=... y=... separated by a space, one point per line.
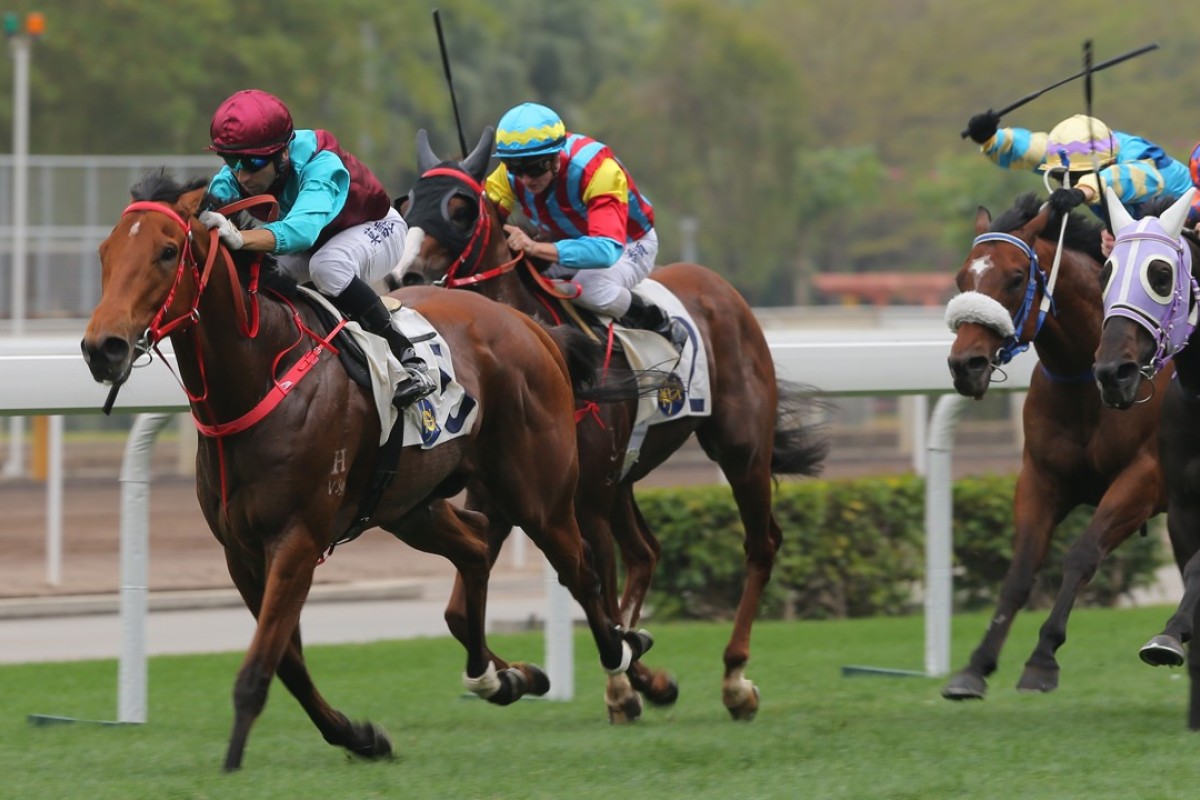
x=591 y=379
x=801 y=446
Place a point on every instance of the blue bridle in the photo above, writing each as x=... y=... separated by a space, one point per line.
x=1013 y=345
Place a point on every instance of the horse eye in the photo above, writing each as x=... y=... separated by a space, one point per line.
x=1159 y=277
x=463 y=218
x=1016 y=282
x=169 y=253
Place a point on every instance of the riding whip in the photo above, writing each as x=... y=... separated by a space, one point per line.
x=1088 y=69
x=1112 y=62
x=437 y=21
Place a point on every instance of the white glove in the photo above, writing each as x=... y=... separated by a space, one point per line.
x=229 y=233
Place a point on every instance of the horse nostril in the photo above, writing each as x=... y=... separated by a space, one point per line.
x=963 y=367
x=114 y=350
x=412 y=279
x=1117 y=374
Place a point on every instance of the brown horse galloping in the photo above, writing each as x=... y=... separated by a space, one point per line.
x=755 y=429
x=277 y=492
x=1018 y=287
x=1152 y=287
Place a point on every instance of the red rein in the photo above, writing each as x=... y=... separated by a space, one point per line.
x=248 y=324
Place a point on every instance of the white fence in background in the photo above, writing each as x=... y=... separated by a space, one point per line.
x=47 y=376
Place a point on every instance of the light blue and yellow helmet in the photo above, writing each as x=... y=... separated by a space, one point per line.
x=1083 y=142
x=529 y=130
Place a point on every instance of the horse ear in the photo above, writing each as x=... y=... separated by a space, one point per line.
x=1117 y=213
x=189 y=202
x=983 y=220
x=476 y=163
x=1175 y=217
x=426 y=158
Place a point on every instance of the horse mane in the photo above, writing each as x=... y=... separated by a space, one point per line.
x=1157 y=206
x=161 y=187
x=1082 y=234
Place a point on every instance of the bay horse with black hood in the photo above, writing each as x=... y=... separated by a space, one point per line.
x=757 y=428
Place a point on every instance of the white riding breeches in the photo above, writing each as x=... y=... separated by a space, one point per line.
x=607 y=290
x=368 y=251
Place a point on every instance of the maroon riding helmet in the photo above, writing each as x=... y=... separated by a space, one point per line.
x=252 y=122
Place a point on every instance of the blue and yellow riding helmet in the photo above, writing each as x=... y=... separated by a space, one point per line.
x=529 y=130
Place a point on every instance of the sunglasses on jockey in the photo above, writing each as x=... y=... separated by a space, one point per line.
x=240 y=162
x=529 y=167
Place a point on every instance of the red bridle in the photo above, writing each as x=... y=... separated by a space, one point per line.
x=481 y=237
x=248 y=323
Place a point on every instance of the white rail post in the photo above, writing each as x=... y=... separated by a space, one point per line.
x=939 y=541
x=135 y=563
x=560 y=638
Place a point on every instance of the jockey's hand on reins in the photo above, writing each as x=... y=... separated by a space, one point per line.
x=230 y=235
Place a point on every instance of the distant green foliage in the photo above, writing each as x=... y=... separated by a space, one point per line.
x=800 y=140
x=855 y=548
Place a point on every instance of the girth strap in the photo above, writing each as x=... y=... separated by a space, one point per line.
x=385 y=473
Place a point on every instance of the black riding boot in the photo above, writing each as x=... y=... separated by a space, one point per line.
x=650 y=317
x=359 y=302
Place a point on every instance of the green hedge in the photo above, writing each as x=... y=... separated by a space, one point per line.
x=855 y=548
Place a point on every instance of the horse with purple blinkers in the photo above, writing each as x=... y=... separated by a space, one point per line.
x=1150 y=301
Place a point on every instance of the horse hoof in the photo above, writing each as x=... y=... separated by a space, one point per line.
x=628 y=710
x=517 y=681
x=1038 y=679
x=537 y=682
x=1163 y=651
x=657 y=686
x=664 y=691
x=374 y=742
x=965 y=686
x=747 y=708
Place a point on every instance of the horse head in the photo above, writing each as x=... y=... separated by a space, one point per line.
x=145 y=266
x=998 y=284
x=452 y=227
x=1150 y=299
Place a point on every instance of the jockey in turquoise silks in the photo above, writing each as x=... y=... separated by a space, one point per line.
x=593 y=225
x=336 y=228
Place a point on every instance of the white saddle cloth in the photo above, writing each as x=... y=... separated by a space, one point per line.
x=447 y=413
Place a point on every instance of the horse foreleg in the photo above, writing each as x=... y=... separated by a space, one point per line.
x=456 y=608
x=277 y=602
x=640 y=553
x=1193 y=660
x=1034 y=515
x=619 y=650
x=751 y=487
x=460 y=535
x=1166 y=648
x=1127 y=504
x=365 y=739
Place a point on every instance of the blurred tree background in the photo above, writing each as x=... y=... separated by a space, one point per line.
x=797 y=136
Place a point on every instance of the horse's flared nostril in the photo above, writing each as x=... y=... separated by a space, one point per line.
x=961 y=367
x=412 y=279
x=107 y=359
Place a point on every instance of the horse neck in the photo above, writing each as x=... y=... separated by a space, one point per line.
x=1067 y=343
x=1187 y=361
x=214 y=354
x=510 y=288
